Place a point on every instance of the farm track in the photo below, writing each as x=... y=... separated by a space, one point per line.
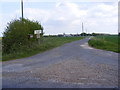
x=73 y=65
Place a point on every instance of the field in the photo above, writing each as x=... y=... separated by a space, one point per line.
x=34 y=48
x=109 y=43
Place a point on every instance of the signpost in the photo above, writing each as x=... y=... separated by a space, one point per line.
x=38 y=32
x=38 y=35
x=30 y=36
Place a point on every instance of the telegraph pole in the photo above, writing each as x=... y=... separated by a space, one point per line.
x=22 y=8
x=82 y=28
x=86 y=31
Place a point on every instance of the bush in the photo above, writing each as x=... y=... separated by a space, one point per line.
x=109 y=43
x=16 y=34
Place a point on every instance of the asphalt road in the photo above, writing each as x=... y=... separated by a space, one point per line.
x=73 y=65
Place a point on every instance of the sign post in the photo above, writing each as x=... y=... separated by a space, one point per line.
x=37 y=32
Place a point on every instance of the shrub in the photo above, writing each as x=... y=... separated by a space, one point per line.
x=16 y=34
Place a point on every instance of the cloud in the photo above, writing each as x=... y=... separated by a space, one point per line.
x=67 y=17
x=37 y=14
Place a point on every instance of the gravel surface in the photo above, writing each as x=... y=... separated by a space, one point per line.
x=73 y=65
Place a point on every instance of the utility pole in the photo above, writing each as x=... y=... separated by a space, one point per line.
x=22 y=8
x=82 y=29
x=86 y=31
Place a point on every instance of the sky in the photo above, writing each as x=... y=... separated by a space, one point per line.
x=64 y=16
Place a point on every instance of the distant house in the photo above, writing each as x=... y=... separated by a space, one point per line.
x=76 y=35
x=67 y=35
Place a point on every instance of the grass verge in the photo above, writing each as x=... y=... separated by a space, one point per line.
x=34 y=48
x=109 y=43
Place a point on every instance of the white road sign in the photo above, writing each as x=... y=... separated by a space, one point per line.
x=37 y=31
x=38 y=35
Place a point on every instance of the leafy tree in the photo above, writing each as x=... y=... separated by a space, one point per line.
x=16 y=34
x=94 y=34
x=83 y=34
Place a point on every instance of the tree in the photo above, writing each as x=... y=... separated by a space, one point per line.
x=83 y=34
x=16 y=34
x=94 y=34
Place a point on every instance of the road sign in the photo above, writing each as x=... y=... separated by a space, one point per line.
x=38 y=35
x=37 y=31
x=30 y=36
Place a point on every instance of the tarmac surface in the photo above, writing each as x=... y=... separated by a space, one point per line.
x=72 y=65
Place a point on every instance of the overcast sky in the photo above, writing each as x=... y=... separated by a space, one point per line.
x=64 y=16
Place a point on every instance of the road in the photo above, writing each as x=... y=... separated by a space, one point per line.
x=72 y=65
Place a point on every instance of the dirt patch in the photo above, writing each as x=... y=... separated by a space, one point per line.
x=74 y=71
x=86 y=46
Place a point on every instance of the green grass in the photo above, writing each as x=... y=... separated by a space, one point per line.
x=34 y=48
x=109 y=43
